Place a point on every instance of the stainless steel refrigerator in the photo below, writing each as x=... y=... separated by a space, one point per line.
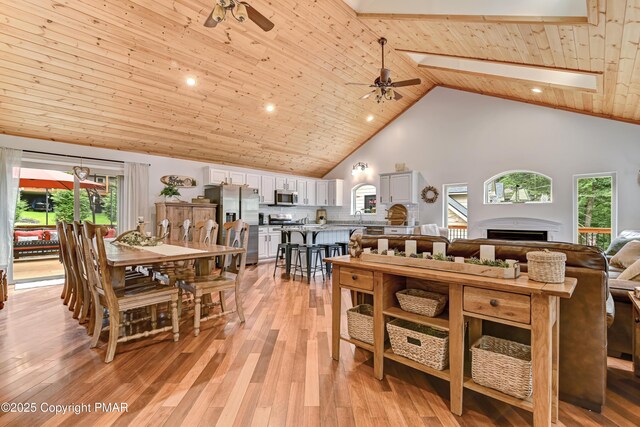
x=237 y=202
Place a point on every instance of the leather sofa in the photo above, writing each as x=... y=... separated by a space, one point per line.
x=619 y=337
x=583 y=318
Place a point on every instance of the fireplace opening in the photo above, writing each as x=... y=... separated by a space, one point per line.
x=531 y=235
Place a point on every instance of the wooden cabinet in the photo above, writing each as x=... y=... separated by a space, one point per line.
x=177 y=212
x=306 y=192
x=268 y=240
x=267 y=189
x=322 y=193
x=401 y=187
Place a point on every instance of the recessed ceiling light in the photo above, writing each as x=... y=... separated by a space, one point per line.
x=370 y=118
x=191 y=81
x=536 y=90
x=270 y=108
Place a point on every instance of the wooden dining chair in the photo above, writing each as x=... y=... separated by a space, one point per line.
x=81 y=274
x=120 y=300
x=229 y=277
x=70 y=261
x=164 y=229
x=62 y=241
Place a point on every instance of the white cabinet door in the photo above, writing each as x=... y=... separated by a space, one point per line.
x=400 y=188
x=335 y=192
x=253 y=181
x=311 y=193
x=292 y=184
x=237 y=178
x=267 y=190
x=384 y=189
x=281 y=183
x=217 y=176
x=263 y=245
x=301 y=188
x=274 y=241
x=322 y=193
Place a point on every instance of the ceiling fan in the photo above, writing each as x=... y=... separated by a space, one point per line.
x=384 y=88
x=240 y=10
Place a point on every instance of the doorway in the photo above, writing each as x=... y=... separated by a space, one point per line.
x=456 y=211
x=595 y=209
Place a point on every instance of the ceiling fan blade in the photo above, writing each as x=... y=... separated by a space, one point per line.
x=259 y=19
x=367 y=95
x=403 y=83
x=385 y=75
x=358 y=84
x=210 y=22
x=397 y=96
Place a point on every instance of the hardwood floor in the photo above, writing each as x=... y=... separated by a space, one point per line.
x=274 y=370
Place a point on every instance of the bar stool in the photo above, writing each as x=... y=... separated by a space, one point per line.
x=313 y=254
x=344 y=247
x=330 y=250
x=286 y=250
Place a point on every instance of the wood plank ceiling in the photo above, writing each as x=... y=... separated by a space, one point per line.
x=112 y=74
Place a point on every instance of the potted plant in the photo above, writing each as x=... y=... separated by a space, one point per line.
x=170 y=191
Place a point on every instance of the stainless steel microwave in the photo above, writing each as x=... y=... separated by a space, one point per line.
x=286 y=198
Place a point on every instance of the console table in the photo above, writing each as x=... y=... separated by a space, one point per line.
x=522 y=303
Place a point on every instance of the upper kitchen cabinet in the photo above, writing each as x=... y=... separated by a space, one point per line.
x=267 y=189
x=285 y=183
x=213 y=176
x=399 y=187
x=322 y=193
x=329 y=193
x=253 y=181
x=306 y=192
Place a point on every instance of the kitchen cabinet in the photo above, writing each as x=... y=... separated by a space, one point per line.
x=253 y=181
x=268 y=240
x=286 y=183
x=213 y=176
x=400 y=187
x=267 y=189
x=306 y=192
x=322 y=193
x=336 y=187
x=177 y=212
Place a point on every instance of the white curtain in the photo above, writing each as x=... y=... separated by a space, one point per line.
x=135 y=196
x=9 y=187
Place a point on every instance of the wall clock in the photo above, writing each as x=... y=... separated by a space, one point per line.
x=429 y=194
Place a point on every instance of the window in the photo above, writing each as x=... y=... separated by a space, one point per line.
x=363 y=199
x=518 y=187
x=456 y=210
x=595 y=216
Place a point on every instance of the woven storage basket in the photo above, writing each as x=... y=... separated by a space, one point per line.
x=423 y=344
x=545 y=266
x=360 y=322
x=502 y=365
x=422 y=302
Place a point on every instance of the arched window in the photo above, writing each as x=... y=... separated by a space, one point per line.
x=517 y=187
x=363 y=199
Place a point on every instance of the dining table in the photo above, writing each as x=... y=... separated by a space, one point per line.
x=120 y=256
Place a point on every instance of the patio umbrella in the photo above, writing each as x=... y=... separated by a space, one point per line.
x=41 y=178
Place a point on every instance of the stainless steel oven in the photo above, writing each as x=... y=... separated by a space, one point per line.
x=286 y=198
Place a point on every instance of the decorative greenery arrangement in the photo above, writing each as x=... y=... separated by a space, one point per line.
x=439 y=257
x=135 y=238
x=170 y=191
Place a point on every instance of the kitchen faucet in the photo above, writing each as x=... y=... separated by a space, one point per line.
x=359 y=212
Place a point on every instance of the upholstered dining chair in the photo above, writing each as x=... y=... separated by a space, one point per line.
x=229 y=277
x=120 y=300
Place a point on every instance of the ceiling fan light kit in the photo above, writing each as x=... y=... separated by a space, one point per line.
x=383 y=87
x=240 y=10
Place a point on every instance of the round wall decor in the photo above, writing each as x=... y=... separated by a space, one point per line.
x=430 y=194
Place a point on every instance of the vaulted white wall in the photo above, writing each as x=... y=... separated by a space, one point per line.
x=457 y=137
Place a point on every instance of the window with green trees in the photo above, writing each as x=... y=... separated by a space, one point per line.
x=518 y=187
x=595 y=209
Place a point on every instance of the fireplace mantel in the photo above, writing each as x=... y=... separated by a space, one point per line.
x=518 y=223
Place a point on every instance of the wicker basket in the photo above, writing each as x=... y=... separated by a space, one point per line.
x=545 y=266
x=422 y=302
x=502 y=365
x=360 y=323
x=423 y=344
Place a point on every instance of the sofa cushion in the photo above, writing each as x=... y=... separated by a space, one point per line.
x=620 y=289
x=37 y=233
x=27 y=238
x=623 y=238
x=51 y=235
x=626 y=256
x=631 y=273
